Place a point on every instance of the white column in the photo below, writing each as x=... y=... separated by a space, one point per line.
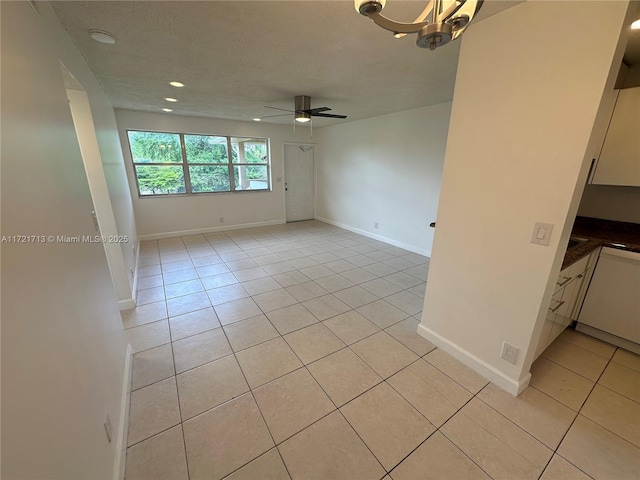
x=528 y=87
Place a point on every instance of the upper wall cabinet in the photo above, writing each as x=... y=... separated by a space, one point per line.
x=619 y=160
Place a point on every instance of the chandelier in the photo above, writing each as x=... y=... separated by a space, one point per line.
x=440 y=22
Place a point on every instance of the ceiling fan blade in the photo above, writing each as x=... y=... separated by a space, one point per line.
x=327 y=115
x=313 y=111
x=276 y=108
x=281 y=115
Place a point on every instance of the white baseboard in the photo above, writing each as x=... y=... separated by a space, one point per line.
x=121 y=446
x=127 y=304
x=510 y=385
x=609 y=338
x=222 y=228
x=390 y=241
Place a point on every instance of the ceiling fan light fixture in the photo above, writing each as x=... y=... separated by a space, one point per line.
x=440 y=22
x=302 y=103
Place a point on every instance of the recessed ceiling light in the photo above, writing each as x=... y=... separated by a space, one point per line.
x=167 y=110
x=257 y=119
x=170 y=99
x=176 y=84
x=636 y=25
x=102 y=37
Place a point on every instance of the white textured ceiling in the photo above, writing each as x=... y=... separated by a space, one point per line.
x=235 y=57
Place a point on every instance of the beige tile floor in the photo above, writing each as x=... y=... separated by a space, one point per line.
x=290 y=352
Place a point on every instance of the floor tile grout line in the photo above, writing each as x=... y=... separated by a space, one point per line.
x=587 y=399
x=164 y=430
x=439 y=429
x=567 y=368
x=511 y=421
x=587 y=349
x=184 y=440
x=617 y=393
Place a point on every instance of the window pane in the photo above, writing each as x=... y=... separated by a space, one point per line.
x=206 y=149
x=250 y=177
x=249 y=150
x=154 y=147
x=160 y=180
x=207 y=178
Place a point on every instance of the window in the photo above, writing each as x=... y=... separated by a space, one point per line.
x=180 y=163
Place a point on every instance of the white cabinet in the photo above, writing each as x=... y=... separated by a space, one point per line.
x=566 y=300
x=619 y=159
x=611 y=309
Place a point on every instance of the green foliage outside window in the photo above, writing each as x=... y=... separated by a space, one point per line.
x=206 y=158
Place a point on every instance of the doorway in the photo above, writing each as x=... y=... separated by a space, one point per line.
x=298 y=182
x=103 y=216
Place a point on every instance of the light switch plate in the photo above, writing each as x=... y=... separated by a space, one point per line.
x=541 y=233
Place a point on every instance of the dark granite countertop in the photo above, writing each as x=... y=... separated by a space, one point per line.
x=602 y=233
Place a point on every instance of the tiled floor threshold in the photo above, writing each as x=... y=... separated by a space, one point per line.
x=290 y=352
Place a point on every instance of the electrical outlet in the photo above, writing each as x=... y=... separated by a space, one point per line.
x=108 y=428
x=221 y=219
x=375 y=225
x=509 y=353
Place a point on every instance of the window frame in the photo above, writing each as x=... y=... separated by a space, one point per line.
x=185 y=164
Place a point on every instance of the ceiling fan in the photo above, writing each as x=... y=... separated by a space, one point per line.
x=303 y=111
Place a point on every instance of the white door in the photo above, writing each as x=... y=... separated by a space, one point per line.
x=298 y=182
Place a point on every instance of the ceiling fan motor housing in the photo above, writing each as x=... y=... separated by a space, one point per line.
x=302 y=103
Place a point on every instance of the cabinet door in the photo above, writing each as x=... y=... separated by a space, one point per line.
x=601 y=124
x=549 y=322
x=612 y=303
x=619 y=162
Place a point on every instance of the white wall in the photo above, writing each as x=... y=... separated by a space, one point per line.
x=517 y=153
x=611 y=203
x=109 y=146
x=166 y=215
x=63 y=346
x=387 y=170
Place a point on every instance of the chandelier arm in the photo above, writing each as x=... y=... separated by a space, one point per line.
x=393 y=26
x=452 y=10
x=420 y=18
